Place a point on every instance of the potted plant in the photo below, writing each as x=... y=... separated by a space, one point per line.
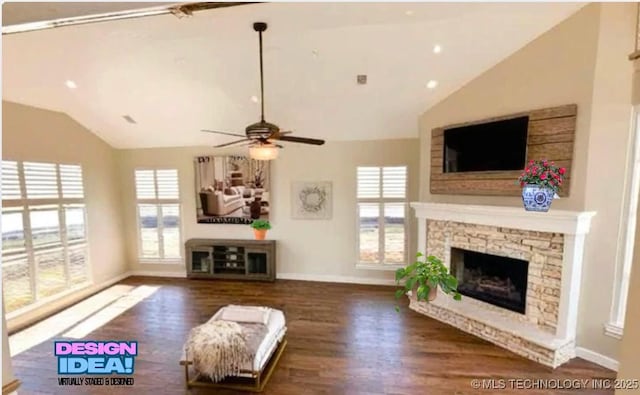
x=540 y=182
x=423 y=277
x=260 y=228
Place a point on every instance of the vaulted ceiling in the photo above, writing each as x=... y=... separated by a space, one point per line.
x=176 y=76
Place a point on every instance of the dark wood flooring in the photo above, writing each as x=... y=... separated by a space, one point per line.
x=343 y=339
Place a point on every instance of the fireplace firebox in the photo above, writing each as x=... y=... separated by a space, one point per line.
x=494 y=279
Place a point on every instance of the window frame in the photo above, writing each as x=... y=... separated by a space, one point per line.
x=158 y=203
x=26 y=206
x=627 y=231
x=381 y=201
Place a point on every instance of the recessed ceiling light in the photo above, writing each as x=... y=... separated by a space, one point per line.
x=70 y=84
x=437 y=48
x=254 y=99
x=408 y=12
x=432 y=84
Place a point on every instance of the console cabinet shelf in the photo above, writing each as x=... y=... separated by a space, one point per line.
x=231 y=259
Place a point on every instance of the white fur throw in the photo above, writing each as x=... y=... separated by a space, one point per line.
x=218 y=349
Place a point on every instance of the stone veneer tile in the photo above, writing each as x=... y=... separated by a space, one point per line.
x=542 y=250
x=512 y=342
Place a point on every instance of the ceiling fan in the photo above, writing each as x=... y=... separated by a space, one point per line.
x=261 y=136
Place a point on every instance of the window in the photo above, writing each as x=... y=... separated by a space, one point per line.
x=158 y=215
x=44 y=243
x=382 y=208
x=628 y=229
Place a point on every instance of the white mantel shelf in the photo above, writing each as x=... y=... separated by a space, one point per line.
x=574 y=225
x=555 y=221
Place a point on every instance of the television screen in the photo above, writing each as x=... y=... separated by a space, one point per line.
x=499 y=145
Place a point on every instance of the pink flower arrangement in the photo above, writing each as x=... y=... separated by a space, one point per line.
x=542 y=173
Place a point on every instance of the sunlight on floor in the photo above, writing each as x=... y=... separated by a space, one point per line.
x=110 y=312
x=95 y=311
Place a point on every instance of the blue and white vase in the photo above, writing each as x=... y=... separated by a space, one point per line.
x=537 y=198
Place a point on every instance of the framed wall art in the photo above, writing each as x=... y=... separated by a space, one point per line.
x=231 y=189
x=311 y=200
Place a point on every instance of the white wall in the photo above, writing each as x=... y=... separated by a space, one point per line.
x=319 y=249
x=584 y=61
x=32 y=134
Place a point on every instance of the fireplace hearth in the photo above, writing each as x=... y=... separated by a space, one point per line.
x=494 y=279
x=548 y=248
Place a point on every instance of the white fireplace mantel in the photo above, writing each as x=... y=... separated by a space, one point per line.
x=574 y=225
x=555 y=221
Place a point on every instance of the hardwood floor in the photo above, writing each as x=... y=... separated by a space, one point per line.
x=343 y=339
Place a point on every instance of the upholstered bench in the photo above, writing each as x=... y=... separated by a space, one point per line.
x=251 y=376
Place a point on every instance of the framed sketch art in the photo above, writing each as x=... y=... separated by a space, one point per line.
x=311 y=200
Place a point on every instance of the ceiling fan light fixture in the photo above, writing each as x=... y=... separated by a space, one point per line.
x=263 y=152
x=259 y=135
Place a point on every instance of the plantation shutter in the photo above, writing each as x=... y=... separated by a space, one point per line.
x=10 y=180
x=368 y=182
x=71 y=180
x=167 y=182
x=41 y=180
x=157 y=184
x=158 y=198
x=145 y=184
x=394 y=182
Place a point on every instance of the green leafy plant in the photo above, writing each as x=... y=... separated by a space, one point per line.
x=424 y=274
x=261 y=224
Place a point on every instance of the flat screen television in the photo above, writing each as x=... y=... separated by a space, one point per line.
x=499 y=145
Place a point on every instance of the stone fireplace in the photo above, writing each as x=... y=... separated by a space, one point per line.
x=518 y=272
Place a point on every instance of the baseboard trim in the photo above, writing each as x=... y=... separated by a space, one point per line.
x=10 y=387
x=333 y=279
x=152 y=273
x=597 y=358
x=282 y=276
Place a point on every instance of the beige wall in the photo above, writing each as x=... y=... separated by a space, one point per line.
x=584 y=61
x=555 y=69
x=34 y=134
x=610 y=143
x=629 y=367
x=313 y=248
x=630 y=344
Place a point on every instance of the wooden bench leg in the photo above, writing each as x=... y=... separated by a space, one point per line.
x=186 y=375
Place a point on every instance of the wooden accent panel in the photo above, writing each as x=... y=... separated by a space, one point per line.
x=551 y=135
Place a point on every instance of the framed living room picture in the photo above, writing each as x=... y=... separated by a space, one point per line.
x=231 y=189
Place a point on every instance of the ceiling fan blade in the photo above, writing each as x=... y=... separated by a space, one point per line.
x=225 y=133
x=303 y=140
x=277 y=135
x=232 y=143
